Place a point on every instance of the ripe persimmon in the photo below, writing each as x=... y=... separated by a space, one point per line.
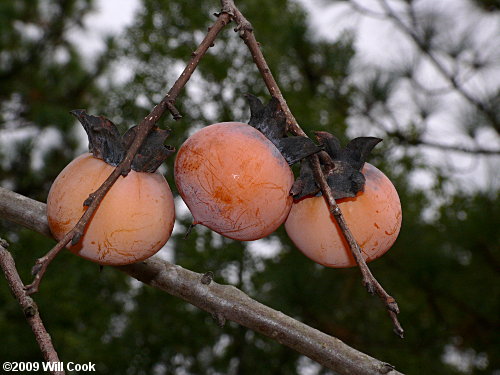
x=135 y=218
x=235 y=178
x=373 y=216
x=234 y=181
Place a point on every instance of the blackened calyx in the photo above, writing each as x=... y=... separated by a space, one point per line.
x=341 y=167
x=104 y=137
x=106 y=143
x=153 y=151
x=270 y=120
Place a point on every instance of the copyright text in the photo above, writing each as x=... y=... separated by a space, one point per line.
x=47 y=366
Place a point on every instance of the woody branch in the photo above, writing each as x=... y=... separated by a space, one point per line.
x=245 y=30
x=221 y=301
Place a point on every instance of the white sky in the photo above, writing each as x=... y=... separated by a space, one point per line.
x=110 y=17
x=380 y=43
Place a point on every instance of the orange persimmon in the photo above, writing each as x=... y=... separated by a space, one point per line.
x=373 y=216
x=234 y=181
x=134 y=220
x=136 y=217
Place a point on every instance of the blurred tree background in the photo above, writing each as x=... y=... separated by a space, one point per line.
x=443 y=270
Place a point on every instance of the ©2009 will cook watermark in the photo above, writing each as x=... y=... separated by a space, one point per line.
x=48 y=366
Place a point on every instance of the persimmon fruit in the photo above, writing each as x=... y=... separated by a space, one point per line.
x=135 y=218
x=234 y=180
x=373 y=216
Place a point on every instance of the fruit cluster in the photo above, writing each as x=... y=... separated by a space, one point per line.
x=235 y=179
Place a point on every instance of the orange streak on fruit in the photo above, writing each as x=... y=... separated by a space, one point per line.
x=234 y=181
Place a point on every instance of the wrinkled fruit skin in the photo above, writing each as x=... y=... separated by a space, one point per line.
x=134 y=220
x=373 y=216
x=234 y=181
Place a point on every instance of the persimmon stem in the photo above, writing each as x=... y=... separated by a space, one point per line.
x=369 y=281
x=373 y=286
x=95 y=198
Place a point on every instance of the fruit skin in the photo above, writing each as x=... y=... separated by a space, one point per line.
x=134 y=220
x=373 y=216
x=234 y=181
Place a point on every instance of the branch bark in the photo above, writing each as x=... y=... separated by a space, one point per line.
x=222 y=301
x=29 y=307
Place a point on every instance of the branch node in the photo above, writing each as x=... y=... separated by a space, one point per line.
x=370 y=287
x=125 y=170
x=170 y=102
x=386 y=368
x=219 y=318
x=399 y=331
x=30 y=311
x=226 y=8
x=37 y=267
x=76 y=238
x=33 y=287
x=393 y=306
x=207 y=278
x=87 y=202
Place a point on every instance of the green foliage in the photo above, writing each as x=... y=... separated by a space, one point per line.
x=443 y=270
x=489 y=5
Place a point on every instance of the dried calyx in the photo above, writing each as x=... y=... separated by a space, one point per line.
x=270 y=120
x=106 y=143
x=341 y=167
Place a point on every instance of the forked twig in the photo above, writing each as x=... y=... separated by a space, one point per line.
x=167 y=103
x=29 y=307
x=245 y=30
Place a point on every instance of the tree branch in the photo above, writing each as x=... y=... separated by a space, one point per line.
x=29 y=307
x=222 y=301
x=373 y=286
x=452 y=78
x=411 y=141
x=415 y=141
x=95 y=198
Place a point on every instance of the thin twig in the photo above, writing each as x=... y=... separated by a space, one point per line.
x=223 y=302
x=167 y=103
x=416 y=141
x=411 y=141
x=369 y=281
x=440 y=67
x=373 y=286
x=29 y=307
